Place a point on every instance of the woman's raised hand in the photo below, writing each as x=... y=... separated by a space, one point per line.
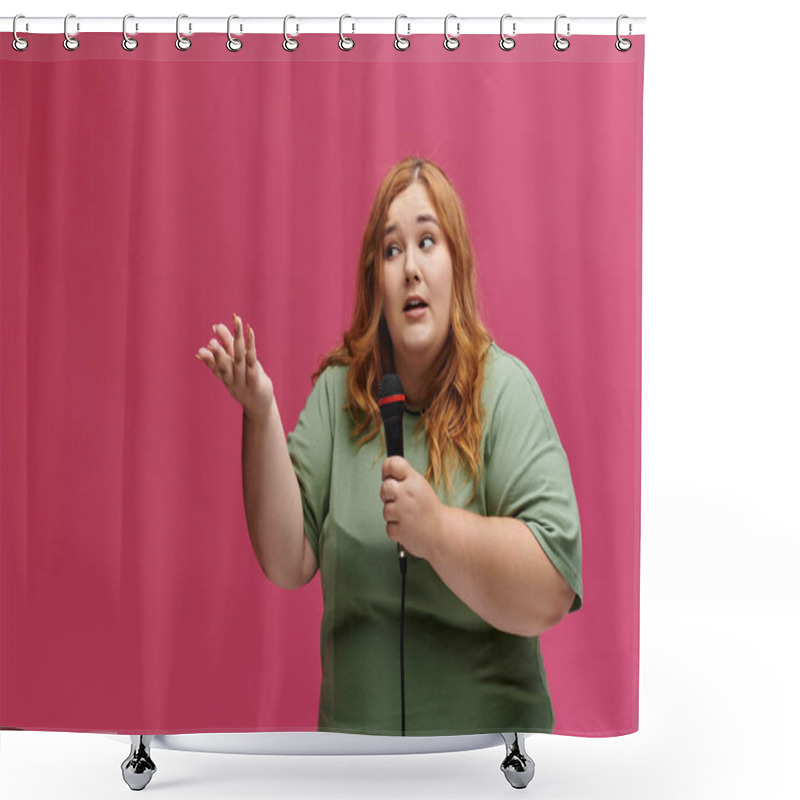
x=236 y=365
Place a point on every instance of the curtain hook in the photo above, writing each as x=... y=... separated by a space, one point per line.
x=182 y=43
x=451 y=42
x=19 y=43
x=406 y=43
x=233 y=44
x=290 y=43
x=345 y=43
x=128 y=42
x=70 y=42
x=623 y=45
x=506 y=42
x=560 y=43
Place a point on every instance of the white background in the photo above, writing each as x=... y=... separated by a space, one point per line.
x=719 y=613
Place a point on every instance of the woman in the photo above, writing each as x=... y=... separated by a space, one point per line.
x=480 y=586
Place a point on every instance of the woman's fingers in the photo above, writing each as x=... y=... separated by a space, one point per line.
x=225 y=337
x=222 y=362
x=238 y=351
x=235 y=363
x=230 y=357
x=250 y=355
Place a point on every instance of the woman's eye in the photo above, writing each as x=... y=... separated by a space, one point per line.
x=392 y=247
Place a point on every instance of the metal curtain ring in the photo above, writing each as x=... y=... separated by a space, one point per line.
x=182 y=43
x=70 y=42
x=345 y=43
x=290 y=43
x=400 y=42
x=623 y=45
x=506 y=42
x=451 y=42
x=233 y=44
x=19 y=43
x=560 y=43
x=128 y=42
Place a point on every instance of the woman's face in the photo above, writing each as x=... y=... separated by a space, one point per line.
x=416 y=261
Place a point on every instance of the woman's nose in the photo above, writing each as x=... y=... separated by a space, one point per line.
x=412 y=271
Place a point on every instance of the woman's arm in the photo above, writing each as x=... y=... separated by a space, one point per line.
x=272 y=503
x=496 y=566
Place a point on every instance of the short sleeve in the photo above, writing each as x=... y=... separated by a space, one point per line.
x=310 y=447
x=527 y=471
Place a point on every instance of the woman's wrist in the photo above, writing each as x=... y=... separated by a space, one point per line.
x=440 y=531
x=261 y=418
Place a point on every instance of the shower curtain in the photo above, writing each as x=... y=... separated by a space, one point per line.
x=149 y=194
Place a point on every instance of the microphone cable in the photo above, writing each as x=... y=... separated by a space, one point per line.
x=403 y=565
x=391 y=401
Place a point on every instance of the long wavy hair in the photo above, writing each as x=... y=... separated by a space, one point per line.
x=452 y=414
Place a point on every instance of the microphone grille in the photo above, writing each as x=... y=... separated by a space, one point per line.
x=390 y=396
x=390 y=385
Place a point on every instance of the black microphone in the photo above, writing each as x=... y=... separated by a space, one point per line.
x=391 y=401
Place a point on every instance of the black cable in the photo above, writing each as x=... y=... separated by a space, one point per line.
x=402 y=637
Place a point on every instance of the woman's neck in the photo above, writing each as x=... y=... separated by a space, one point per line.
x=412 y=387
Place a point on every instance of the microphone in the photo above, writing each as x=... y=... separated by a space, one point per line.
x=391 y=400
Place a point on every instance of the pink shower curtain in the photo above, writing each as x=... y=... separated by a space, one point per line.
x=147 y=195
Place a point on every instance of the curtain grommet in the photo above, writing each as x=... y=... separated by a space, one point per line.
x=623 y=45
x=70 y=42
x=401 y=42
x=451 y=42
x=234 y=44
x=345 y=42
x=182 y=42
x=18 y=43
x=128 y=42
x=507 y=42
x=561 y=44
x=290 y=43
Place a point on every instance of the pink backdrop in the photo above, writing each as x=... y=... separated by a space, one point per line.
x=146 y=195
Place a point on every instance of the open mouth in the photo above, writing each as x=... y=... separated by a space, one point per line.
x=415 y=312
x=414 y=305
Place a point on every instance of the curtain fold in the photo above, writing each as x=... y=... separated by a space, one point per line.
x=147 y=195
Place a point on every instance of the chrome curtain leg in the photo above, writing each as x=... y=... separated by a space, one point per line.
x=517 y=766
x=138 y=768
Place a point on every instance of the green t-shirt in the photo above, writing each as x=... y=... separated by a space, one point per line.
x=462 y=675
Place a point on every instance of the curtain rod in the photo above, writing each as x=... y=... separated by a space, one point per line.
x=406 y=25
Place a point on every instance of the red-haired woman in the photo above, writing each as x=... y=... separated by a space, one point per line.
x=494 y=554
